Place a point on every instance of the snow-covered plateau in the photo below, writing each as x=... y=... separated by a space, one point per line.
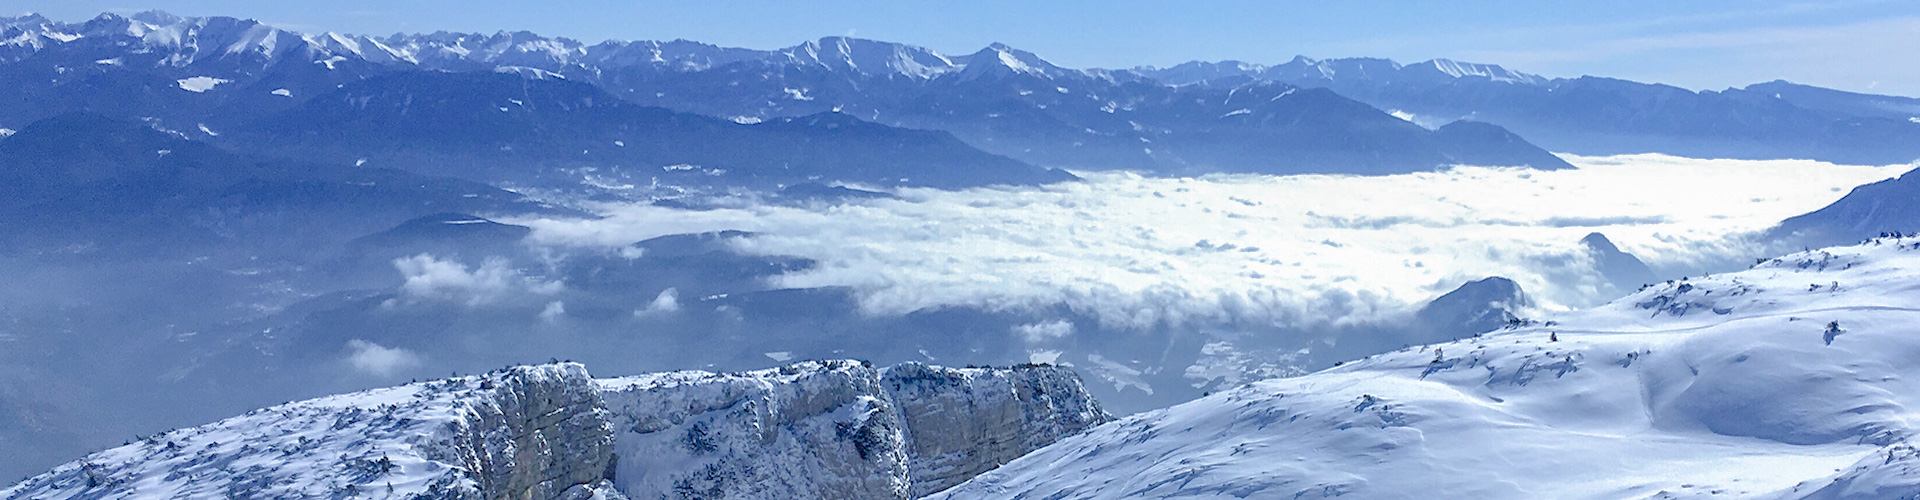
x=1795 y=379
x=817 y=429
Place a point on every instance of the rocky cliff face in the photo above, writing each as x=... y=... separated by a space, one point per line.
x=538 y=434
x=835 y=429
x=809 y=430
x=962 y=422
x=821 y=429
x=525 y=433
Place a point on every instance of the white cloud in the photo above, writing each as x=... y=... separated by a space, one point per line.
x=1132 y=251
x=1117 y=373
x=553 y=312
x=374 y=359
x=667 y=302
x=430 y=278
x=1043 y=357
x=1044 y=331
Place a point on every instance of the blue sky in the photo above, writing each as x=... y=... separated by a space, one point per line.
x=1860 y=45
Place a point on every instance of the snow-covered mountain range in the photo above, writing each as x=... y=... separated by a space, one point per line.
x=1000 y=99
x=826 y=429
x=1597 y=115
x=1793 y=379
x=223 y=74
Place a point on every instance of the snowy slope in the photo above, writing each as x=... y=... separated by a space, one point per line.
x=528 y=432
x=1795 y=379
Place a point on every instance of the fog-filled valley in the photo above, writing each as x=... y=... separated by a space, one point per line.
x=1156 y=289
x=208 y=216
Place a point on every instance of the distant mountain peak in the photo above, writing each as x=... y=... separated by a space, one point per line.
x=869 y=57
x=30 y=17
x=1352 y=68
x=1000 y=60
x=1455 y=69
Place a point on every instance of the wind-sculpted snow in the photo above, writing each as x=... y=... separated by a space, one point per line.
x=522 y=433
x=1795 y=379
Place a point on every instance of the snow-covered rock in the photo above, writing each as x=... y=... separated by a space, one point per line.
x=1795 y=379
x=817 y=429
x=526 y=433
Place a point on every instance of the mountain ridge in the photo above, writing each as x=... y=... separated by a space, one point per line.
x=814 y=429
x=1000 y=99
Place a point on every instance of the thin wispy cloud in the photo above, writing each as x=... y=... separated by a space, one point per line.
x=377 y=360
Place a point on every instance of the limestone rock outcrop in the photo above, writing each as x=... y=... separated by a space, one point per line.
x=811 y=430
x=965 y=421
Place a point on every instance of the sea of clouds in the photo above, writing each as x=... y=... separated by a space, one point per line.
x=1290 y=251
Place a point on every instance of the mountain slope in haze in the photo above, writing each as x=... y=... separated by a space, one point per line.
x=1790 y=380
x=118 y=236
x=1015 y=103
x=1602 y=116
x=502 y=126
x=1621 y=269
x=92 y=181
x=1839 y=102
x=1473 y=308
x=1868 y=211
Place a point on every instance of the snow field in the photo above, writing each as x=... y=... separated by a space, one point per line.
x=1767 y=383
